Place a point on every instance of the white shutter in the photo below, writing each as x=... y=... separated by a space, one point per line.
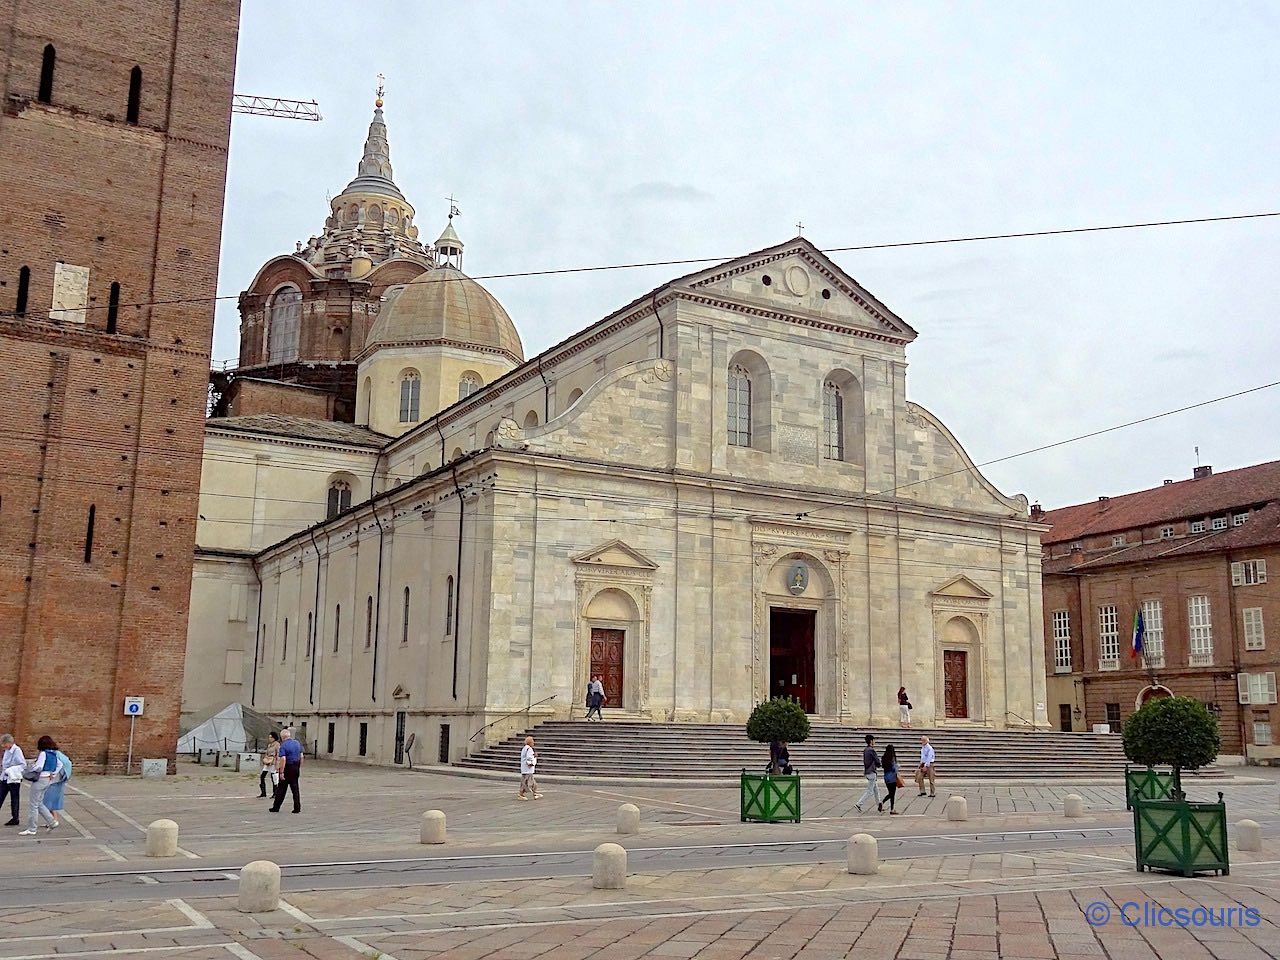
x=1237 y=574
x=1271 y=687
x=1242 y=686
x=1262 y=571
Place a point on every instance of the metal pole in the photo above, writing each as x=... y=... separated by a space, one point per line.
x=128 y=764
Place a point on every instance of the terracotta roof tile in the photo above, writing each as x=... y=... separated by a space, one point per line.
x=301 y=428
x=1185 y=499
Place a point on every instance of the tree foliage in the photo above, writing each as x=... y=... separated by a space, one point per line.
x=781 y=718
x=1172 y=731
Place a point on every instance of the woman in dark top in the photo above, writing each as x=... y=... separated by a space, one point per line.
x=904 y=708
x=890 y=765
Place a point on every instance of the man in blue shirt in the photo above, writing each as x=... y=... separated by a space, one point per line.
x=290 y=767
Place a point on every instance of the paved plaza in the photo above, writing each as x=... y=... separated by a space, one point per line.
x=1016 y=879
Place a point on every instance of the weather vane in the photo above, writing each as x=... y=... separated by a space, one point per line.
x=453 y=207
x=382 y=89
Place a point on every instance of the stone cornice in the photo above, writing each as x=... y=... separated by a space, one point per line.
x=801 y=319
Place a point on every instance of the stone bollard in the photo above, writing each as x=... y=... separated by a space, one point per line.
x=609 y=867
x=628 y=818
x=1248 y=836
x=432 y=827
x=162 y=839
x=1073 y=805
x=259 y=887
x=957 y=808
x=863 y=854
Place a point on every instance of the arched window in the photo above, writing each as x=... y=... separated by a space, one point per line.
x=468 y=384
x=368 y=623
x=739 y=407
x=339 y=498
x=457 y=452
x=24 y=287
x=574 y=397
x=113 y=307
x=363 y=402
x=46 y=74
x=843 y=431
x=404 y=626
x=410 y=394
x=284 y=317
x=448 y=607
x=832 y=422
x=489 y=439
x=337 y=624
x=531 y=419
x=135 y=95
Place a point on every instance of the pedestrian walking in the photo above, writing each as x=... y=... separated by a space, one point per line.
x=891 y=779
x=925 y=770
x=528 y=765
x=270 y=763
x=40 y=772
x=12 y=764
x=54 y=801
x=596 y=697
x=870 y=764
x=904 y=708
x=290 y=768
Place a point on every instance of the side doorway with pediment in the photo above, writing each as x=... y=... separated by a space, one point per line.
x=611 y=630
x=961 y=615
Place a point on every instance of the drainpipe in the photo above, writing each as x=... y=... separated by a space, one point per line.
x=257 y=635
x=546 y=392
x=662 y=330
x=457 y=582
x=1235 y=663
x=315 y=622
x=377 y=607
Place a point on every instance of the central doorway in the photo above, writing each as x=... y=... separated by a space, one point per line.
x=791 y=655
x=608 y=649
x=955 y=680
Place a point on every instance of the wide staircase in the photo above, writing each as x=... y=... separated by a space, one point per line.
x=706 y=751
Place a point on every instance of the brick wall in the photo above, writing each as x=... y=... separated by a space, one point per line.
x=100 y=420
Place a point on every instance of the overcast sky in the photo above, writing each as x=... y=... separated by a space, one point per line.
x=595 y=133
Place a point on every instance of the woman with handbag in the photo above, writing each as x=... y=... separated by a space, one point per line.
x=270 y=756
x=891 y=779
x=41 y=772
x=904 y=709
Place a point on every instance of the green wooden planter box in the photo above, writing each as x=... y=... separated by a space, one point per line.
x=1150 y=784
x=770 y=799
x=1186 y=838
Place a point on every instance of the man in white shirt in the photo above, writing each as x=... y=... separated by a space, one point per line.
x=11 y=766
x=925 y=770
x=528 y=764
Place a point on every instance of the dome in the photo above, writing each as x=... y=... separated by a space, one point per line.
x=446 y=304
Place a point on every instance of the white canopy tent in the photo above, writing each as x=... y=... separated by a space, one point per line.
x=235 y=729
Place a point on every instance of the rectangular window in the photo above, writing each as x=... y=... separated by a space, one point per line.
x=1247 y=573
x=284 y=646
x=1256 y=687
x=1113 y=717
x=1061 y=641
x=1254 y=638
x=1166 y=533
x=1200 y=628
x=364 y=739
x=1239 y=519
x=262 y=647
x=1153 y=641
x=1197 y=526
x=448 y=607
x=332 y=736
x=1219 y=523
x=404 y=626
x=739 y=408
x=1108 y=638
x=310 y=627
x=368 y=623
x=1118 y=541
x=443 y=753
x=1262 y=729
x=832 y=423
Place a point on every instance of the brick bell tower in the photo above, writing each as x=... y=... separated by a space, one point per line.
x=113 y=160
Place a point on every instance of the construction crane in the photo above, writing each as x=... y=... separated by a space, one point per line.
x=275 y=107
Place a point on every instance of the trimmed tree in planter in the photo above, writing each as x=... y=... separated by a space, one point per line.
x=1173 y=834
x=772 y=797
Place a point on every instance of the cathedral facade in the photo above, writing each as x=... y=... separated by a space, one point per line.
x=716 y=494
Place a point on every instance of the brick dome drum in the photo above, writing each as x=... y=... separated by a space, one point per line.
x=446 y=306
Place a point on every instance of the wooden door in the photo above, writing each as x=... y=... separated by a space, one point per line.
x=608 y=648
x=955 y=683
x=1064 y=717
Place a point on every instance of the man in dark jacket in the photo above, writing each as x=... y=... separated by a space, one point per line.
x=870 y=764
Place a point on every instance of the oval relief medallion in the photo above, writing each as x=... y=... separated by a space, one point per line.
x=797 y=280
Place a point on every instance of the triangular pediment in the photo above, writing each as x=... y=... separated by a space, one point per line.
x=399 y=693
x=797 y=278
x=962 y=586
x=615 y=553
